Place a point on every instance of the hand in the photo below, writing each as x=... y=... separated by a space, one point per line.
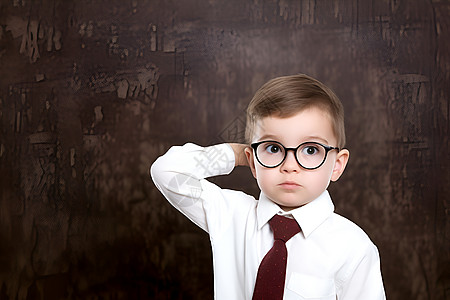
x=239 y=154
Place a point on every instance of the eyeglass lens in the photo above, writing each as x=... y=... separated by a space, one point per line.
x=309 y=155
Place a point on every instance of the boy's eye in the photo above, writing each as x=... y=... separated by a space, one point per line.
x=272 y=148
x=310 y=150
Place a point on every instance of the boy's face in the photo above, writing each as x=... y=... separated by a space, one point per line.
x=289 y=185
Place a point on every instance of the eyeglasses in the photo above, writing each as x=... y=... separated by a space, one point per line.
x=309 y=155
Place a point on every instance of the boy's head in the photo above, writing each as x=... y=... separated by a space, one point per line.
x=296 y=127
x=285 y=96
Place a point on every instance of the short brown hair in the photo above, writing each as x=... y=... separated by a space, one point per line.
x=285 y=96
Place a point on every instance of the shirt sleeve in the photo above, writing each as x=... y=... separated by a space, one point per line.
x=181 y=174
x=364 y=280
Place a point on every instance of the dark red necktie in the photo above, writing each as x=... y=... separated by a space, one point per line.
x=272 y=270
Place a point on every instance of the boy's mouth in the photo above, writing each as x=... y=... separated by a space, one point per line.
x=289 y=185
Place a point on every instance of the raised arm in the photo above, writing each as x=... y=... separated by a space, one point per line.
x=181 y=174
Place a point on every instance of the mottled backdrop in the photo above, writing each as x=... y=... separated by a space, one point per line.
x=92 y=91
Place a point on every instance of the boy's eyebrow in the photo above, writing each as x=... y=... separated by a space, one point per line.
x=316 y=138
x=305 y=139
x=268 y=137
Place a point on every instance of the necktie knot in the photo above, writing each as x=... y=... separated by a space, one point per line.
x=283 y=228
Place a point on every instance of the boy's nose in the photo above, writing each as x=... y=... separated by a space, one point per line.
x=290 y=163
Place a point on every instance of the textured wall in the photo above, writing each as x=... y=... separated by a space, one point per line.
x=92 y=91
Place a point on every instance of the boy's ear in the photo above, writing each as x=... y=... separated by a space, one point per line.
x=340 y=164
x=251 y=160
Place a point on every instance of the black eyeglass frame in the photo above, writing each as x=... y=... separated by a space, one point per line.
x=326 y=147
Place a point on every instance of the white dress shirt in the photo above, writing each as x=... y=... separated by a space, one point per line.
x=331 y=258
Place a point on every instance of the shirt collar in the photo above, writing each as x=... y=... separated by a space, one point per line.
x=308 y=217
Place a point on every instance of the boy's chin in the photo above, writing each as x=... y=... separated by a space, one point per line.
x=291 y=206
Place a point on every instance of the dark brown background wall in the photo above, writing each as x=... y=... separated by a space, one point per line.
x=92 y=91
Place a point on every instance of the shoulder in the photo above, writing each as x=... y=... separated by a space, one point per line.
x=225 y=201
x=348 y=245
x=349 y=234
x=230 y=197
x=229 y=213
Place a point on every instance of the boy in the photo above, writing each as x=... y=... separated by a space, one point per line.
x=295 y=125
